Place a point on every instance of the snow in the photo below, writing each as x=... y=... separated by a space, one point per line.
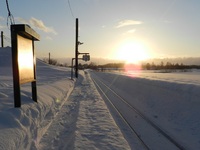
x=69 y=114
x=88 y=124
x=171 y=100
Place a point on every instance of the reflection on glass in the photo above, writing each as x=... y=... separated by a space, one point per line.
x=25 y=59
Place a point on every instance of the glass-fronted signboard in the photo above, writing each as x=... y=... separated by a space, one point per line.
x=25 y=59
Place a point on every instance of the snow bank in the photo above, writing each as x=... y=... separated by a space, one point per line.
x=60 y=119
x=21 y=128
x=95 y=126
x=63 y=119
x=170 y=100
x=84 y=122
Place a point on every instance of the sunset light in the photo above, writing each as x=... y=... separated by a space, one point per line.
x=100 y=74
x=132 y=52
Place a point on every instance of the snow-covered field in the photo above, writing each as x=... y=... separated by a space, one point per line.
x=72 y=115
x=188 y=77
x=68 y=115
x=171 y=100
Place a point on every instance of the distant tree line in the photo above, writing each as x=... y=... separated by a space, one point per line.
x=120 y=66
x=54 y=62
x=144 y=66
x=94 y=66
x=168 y=65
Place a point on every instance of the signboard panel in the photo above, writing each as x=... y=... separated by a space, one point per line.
x=86 y=57
x=25 y=59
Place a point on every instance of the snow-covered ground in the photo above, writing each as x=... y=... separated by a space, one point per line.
x=187 y=77
x=72 y=115
x=173 y=105
x=69 y=114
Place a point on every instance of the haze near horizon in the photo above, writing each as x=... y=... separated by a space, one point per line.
x=127 y=30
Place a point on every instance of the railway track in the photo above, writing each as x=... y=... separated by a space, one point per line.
x=148 y=134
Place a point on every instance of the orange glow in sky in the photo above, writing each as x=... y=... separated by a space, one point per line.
x=132 y=52
x=163 y=28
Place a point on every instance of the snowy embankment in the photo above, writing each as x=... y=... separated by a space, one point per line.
x=171 y=100
x=84 y=122
x=60 y=119
x=21 y=127
x=72 y=115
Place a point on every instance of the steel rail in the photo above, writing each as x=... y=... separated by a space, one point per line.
x=122 y=117
x=145 y=118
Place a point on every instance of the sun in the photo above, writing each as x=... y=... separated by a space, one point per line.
x=132 y=52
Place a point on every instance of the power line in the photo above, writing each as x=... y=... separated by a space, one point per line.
x=10 y=16
x=70 y=9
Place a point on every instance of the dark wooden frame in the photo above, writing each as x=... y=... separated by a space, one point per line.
x=26 y=32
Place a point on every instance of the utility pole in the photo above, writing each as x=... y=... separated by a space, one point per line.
x=76 y=50
x=49 y=58
x=2 y=39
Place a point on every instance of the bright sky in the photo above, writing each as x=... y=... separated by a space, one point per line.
x=122 y=29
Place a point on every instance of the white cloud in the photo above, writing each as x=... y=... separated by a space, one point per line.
x=41 y=26
x=128 y=23
x=21 y=20
x=48 y=38
x=36 y=23
x=131 y=31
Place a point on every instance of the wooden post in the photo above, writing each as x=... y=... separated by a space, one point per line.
x=23 y=37
x=2 y=44
x=72 y=67
x=76 y=50
x=33 y=83
x=15 y=67
x=49 y=58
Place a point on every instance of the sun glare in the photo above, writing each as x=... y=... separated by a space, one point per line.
x=132 y=52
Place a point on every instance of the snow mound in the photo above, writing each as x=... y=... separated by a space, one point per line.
x=20 y=128
x=59 y=120
x=84 y=122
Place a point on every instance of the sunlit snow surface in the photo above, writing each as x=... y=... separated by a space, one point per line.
x=63 y=119
x=179 y=76
x=170 y=99
x=59 y=120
